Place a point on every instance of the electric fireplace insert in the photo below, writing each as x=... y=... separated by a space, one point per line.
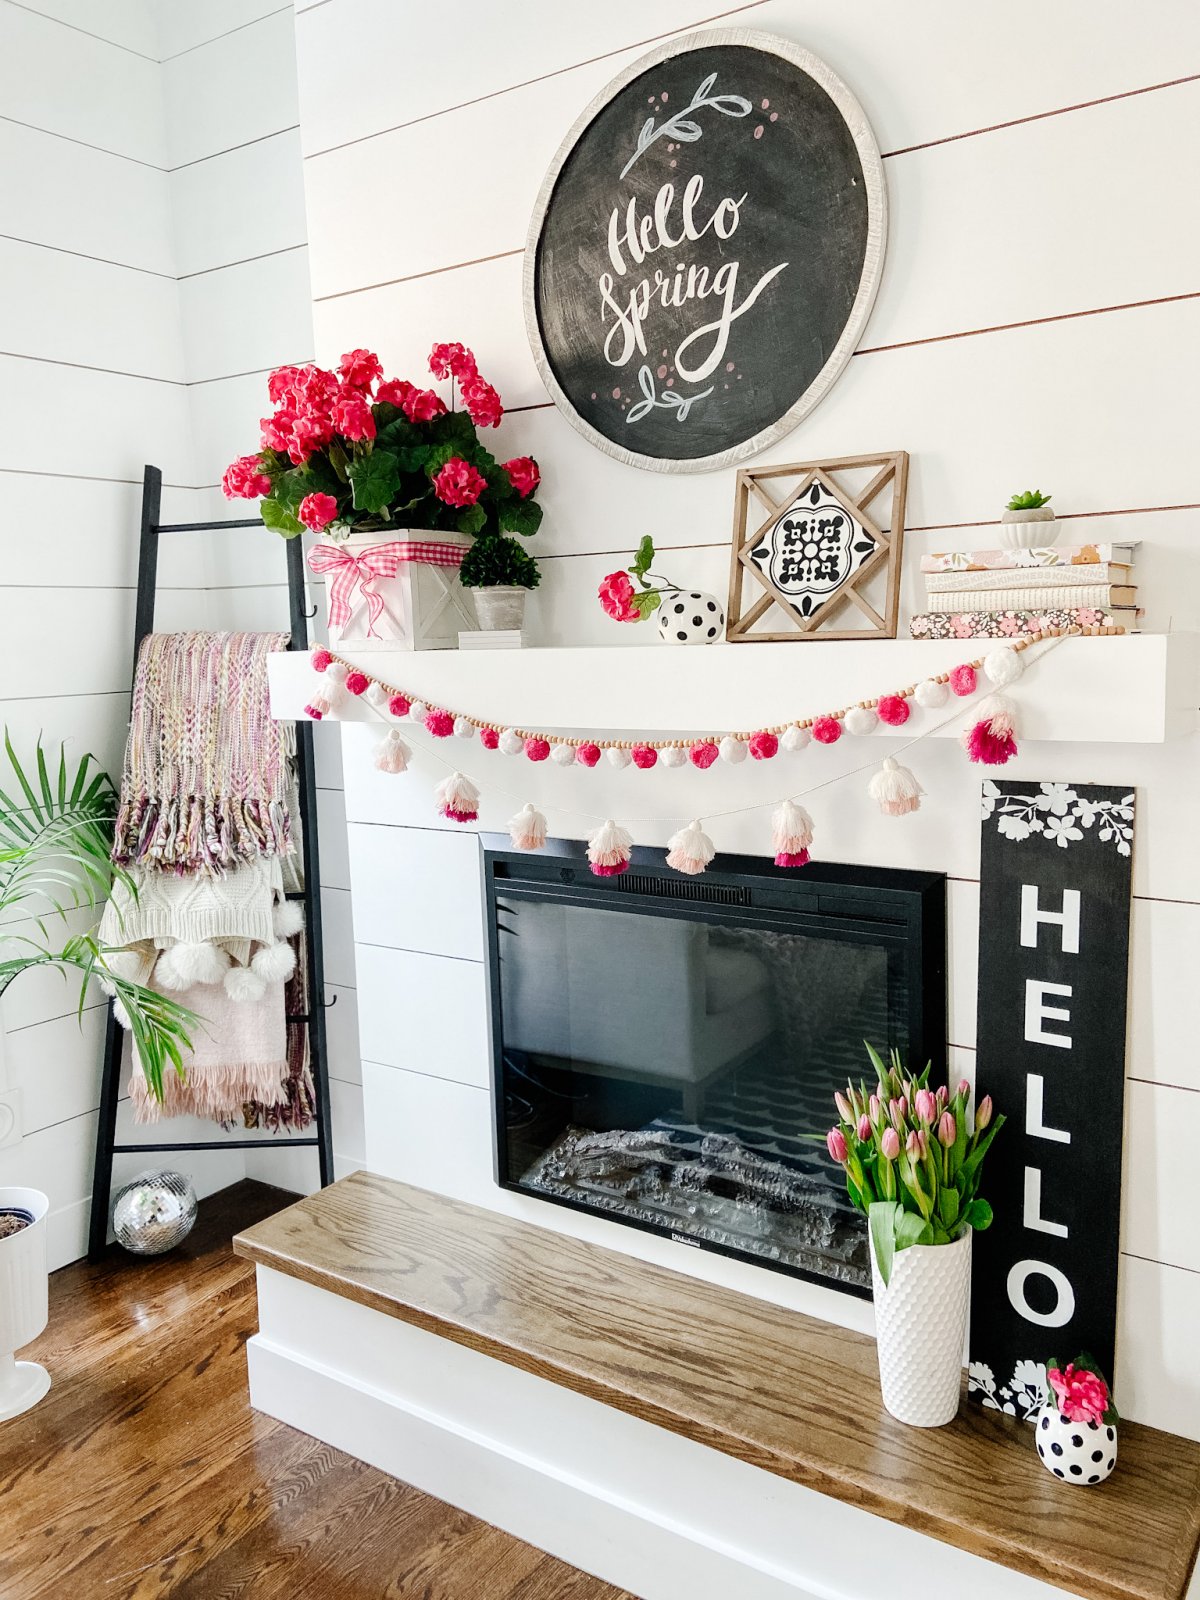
x=665 y=1048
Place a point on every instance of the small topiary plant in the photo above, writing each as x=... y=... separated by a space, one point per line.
x=1031 y=500
x=494 y=561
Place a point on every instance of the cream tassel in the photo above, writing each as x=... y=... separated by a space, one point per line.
x=457 y=798
x=528 y=828
x=690 y=850
x=895 y=789
x=609 y=849
x=791 y=834
x=391 y=753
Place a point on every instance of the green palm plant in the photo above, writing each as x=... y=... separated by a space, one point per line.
x=55 y=838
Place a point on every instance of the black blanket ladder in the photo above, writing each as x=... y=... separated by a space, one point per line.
x=313 y=1015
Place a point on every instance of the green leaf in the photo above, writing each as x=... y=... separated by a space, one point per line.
x=948 y=1206
x=643 y=558
x=472 y=519
x=414 y=457
x=973 y=1162
x=278 y=516
x=912 y=1229
x=339 y=461
x=374 y=479
x=882 y=1220
x=978 y=1215
x=646 y=604
x=520 y=516
x=397 y=430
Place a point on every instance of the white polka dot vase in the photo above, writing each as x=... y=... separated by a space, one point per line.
x=687 y=616
x=920 y=1330
x=1076 y=1452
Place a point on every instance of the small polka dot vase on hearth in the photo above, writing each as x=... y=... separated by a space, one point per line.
x=1076 y=1452
x=687 y=616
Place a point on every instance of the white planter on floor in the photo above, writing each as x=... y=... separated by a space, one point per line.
x=24 y=1302
x=1033 y=529
x=920 y=1328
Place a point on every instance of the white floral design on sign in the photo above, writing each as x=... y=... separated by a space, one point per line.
x=1061 y=814
x=1022 y=1396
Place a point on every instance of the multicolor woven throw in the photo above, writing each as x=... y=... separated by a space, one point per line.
x=207 y=770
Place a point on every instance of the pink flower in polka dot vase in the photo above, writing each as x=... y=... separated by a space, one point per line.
x=685 y=616
x=1076 y=1429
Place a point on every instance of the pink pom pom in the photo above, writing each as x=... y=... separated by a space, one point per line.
x=537 y=749
x=399 y=705
x=439 y=723
x=489 y=738
x=963 y=680
x=317 y=709
x=826 y=730
x=357 y=683
x=792 y=858
x=320 y=660
x=644 y=756
x=588 y=754
x=763 y=746
x=892 y=709
x=703 y=753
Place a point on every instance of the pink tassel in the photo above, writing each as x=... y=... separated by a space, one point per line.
x=690 y=850
x=791 y=834
x=609 y=850
x=991 y=740
x=528 y=828
x=331 y=690
x=457 y=798
x=392 y=754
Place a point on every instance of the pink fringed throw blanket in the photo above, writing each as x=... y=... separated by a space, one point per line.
x=207 y=771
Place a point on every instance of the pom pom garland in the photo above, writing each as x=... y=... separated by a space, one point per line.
x=617 y=757
x=892 y=709
x=733 y=750
x=357 y=683
x=457 y=798
x=511 y=744
x=588 y=754
x=399 y=705
x=690 y=850
x=791 y=834
x=1003 y=666
x=320 y=659
x=528 y=828
x=489 y=738
x=391 y=753
x=763 y=746
x=645 y=756
x=537 y=749
x=274 y=962
x=287 y=919
x=895 y=790
x=795 y=738
x=963 y=679
x=609 y=850
x=991 y=740
x=860 y=720
x=563 y=755
x=931 y=694
x=826 y=730
x=703 y=753
x=674 y=756
x=439 y=723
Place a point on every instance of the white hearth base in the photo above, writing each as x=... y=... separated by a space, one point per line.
x=656 y=1514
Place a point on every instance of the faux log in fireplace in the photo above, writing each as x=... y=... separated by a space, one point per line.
x=665 y=1048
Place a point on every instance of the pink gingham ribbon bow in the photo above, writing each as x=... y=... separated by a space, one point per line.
x=347 y=571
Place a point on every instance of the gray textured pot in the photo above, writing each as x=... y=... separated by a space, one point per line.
x=500 y=607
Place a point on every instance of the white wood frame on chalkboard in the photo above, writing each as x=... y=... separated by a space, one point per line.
x=872 y=271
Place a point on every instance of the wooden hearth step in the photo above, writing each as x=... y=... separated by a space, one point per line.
x=782 y=1391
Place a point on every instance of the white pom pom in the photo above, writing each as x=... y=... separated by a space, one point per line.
x=895 y=789
x=125 y=964
x=511 y=744
x=732 y=750
x=860 y=720
x=528 y=828
x=287 y=919
x=391 y=753
x=463 y=729
x=274 y=962
x=794 y=739
x=617 y=758
x=336 y=672
x=121 y=1016
x=563 y=755
x=417 y=711
x=690 y=850
x=185 y=963
x=672 y=756
x=377 y=696
x=1003 y=666
x=242 y=985
x=931 y=694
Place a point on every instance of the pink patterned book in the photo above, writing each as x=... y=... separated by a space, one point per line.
x=1012 y=624
x=1054 y=555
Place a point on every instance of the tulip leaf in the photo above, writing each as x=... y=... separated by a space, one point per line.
x=912 y=1229
x=978 y=1215
x=881 y=1223
x=948 y=1206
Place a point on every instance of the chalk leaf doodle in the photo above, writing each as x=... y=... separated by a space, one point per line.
x=810 y=551
x=680 y=126
x=668 y=399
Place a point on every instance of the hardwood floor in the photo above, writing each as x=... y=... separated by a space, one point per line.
x=144 y=1473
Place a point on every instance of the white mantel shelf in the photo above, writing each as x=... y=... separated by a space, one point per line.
x=1118 y=689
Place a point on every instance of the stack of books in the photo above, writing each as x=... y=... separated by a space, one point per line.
x=1002 y=594
x=491 y=639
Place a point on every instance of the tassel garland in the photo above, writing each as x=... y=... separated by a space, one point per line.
x=895 y=789
x=609 y=850
x=690 y=850
x=528 y=828
x=791 y=834
x=991 y=739
x=457 y=798
x=391 y=753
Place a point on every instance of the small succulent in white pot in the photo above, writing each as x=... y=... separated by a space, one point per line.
x=1027 y=522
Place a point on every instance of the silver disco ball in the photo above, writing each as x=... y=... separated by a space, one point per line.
x=154 y=1212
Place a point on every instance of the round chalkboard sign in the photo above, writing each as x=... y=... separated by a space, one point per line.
x=705 y=251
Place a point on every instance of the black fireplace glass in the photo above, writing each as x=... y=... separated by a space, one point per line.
x=666 y=1048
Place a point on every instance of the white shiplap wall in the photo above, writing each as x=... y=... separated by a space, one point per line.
x=1040 y=304
x=151 y=252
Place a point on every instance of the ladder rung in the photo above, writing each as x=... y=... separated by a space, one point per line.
x=278 y=1143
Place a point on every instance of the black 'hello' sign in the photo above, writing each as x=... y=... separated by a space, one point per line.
x=705 y=251
x=1055 y=885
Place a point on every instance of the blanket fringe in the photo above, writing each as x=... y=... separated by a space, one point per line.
x=216 y=1092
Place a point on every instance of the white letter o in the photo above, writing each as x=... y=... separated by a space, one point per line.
x=1063 y=1311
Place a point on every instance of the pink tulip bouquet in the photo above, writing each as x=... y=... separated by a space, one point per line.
x=350 y=450
x=1079 y=1393
x=911 y=1160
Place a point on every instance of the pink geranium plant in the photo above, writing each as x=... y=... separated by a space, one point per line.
x=1079 y=1392
x=352 y=451
x=912 y=1157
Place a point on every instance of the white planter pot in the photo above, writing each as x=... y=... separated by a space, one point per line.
x=1034 y=529
x=424 y=605
x=1076 y=1452
x=690 y=616
x=920 y=1329
x=24 y=1302
x=500 y=607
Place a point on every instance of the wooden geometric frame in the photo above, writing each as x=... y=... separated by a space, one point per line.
x=748 y=607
